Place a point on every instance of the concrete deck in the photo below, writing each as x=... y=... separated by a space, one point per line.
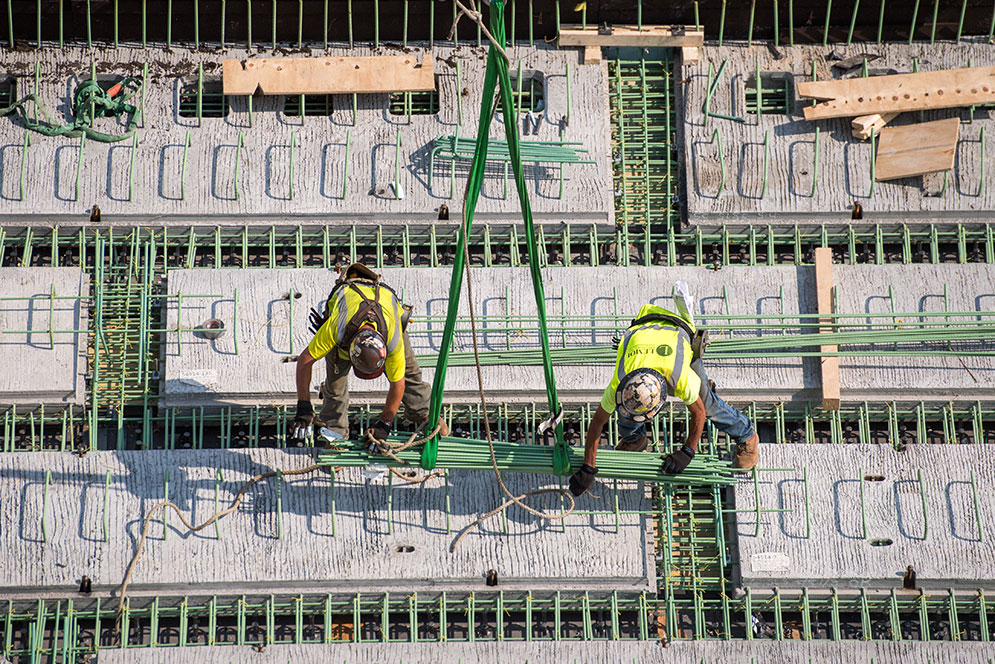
x=37 y=367
x=949 y=544
x=307 y=532
x=153 y=190
x=600 y=301
x=630 y=652
x=843 y=174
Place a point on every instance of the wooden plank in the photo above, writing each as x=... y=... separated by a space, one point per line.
x=630 y=35
x=690 y=55
x=285 y=76
x=865 y=124
x=830 y=367
x=592 y=55
x=916 y=149
x=948 y=88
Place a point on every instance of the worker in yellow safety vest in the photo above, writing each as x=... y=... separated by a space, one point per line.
x=660 y=355
x=363 y=330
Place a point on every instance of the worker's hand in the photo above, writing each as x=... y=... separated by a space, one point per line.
x=582 y=480
x=302 y=421
x=675 y=462
x=381 y=429
x=317 y=320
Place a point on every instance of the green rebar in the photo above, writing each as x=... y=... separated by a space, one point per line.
x=825 y=30
x=24 y=161
x=183 y=168
x=238 y=161
x=853 y=22
x=79 y=166
x=753 y=8
x=932 y=30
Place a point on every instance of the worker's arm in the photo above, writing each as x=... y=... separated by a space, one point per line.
x=385 y=423
x=394 y=395
x=697 y=425
x=675 y=462
x=582 y=480
x=305 y=412
x=598 y=422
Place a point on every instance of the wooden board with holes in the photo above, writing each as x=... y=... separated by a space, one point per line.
x=916 y=149
x=631 y=35
x=949 y=88
x=361 y=75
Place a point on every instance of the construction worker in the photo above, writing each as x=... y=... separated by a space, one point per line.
x=660 y=354
x=362 y=330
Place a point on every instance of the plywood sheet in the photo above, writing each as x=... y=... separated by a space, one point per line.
x=947 y=88
x=631 y=35
x=916 y=149
x=284 y=76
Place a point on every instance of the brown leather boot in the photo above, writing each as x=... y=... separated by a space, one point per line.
x=443 y=427
x=637 y=445
x=747 y=453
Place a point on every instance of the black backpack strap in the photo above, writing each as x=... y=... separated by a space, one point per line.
x=370 y=310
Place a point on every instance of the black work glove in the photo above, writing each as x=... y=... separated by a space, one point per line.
x=379 y=431
x=582 y=480
x=317 y=320
x=675 y=462
x=302 y=421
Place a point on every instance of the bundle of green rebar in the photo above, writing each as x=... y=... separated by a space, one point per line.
x=773 y=344
x=90 y=101
x=469 y=454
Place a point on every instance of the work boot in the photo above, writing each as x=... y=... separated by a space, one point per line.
x=747 y=453
x=637 y=445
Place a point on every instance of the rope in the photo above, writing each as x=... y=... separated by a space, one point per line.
x=217 y=515
x=386 y=448
x=512 y=499
x=477 y=18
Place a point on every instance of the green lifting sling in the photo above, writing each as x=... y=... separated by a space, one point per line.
x=495 y=75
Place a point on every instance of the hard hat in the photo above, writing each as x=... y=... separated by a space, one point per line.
x=368 y=353
x=640 y=395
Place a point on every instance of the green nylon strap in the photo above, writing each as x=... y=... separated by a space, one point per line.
x=90 y=101
x=495 y=75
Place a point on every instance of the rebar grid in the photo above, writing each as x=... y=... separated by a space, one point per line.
x=73 y=627
x=492 y=245
x=302 y=25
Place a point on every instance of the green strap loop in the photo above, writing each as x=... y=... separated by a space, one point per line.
x=495 y=74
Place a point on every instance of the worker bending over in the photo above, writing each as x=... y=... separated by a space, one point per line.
x=660 y=354
x=362 y=329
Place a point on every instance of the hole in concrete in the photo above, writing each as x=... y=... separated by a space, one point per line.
x=404 y=548
x=874 y=478
x=210 y=329
x=884 y=541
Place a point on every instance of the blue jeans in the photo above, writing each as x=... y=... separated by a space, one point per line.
x=725 y=418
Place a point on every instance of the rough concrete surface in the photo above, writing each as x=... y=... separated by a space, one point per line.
x=949 y=544
x=263 y=187
x=36 y=367
x=629 y=652
x=202 y=372
x=597 y=303
x=307 y=532
x=875 y=289
x=843 y=174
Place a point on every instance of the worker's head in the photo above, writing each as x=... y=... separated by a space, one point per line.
x=640 y=395
x=368 y=353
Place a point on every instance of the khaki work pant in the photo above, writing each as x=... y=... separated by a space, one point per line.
x=335 y=391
